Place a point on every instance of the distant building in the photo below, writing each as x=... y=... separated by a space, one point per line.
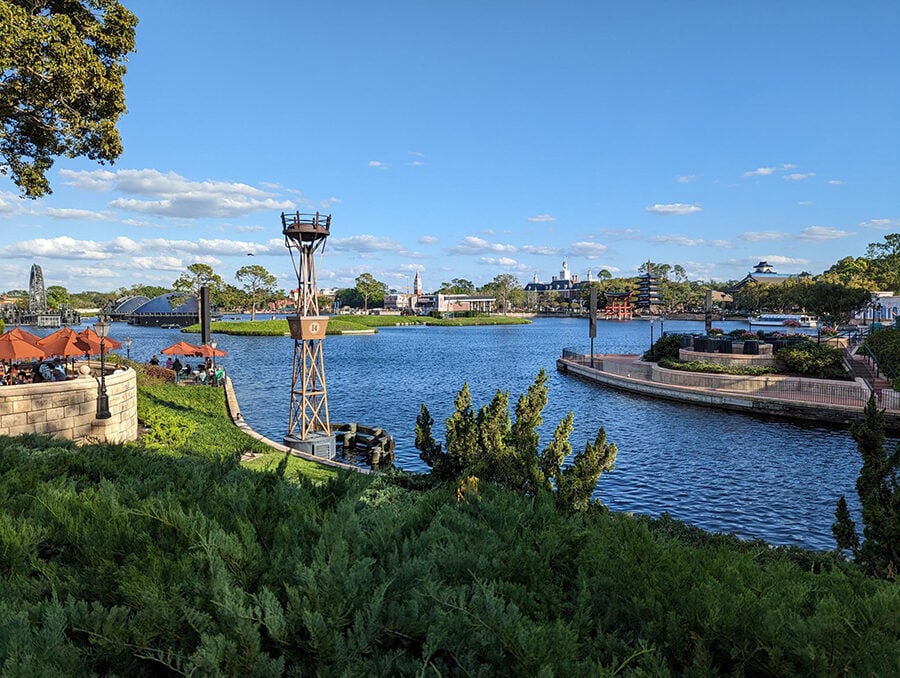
x=566 y=284
x=763 y=274
x=37 y=313
x=417 y=301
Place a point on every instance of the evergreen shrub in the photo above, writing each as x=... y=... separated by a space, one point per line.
x=809 y=359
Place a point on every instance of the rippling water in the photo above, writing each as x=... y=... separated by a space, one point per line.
x=722 y=471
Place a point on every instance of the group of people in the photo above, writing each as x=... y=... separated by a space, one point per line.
x=204 y=374
x=32 y=373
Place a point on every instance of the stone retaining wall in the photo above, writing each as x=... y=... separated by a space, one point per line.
x=730 y=359
x=68 y=409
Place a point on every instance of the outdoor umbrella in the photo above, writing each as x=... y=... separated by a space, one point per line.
x=14 y=348
x=19 y=333
x=92 y=339
x=207 y=351
x=65 y=343
x=182 y=348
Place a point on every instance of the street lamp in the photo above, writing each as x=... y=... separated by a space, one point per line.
x=101 y=327
x=128 y=347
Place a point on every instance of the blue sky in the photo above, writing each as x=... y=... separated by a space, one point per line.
x=467 y=139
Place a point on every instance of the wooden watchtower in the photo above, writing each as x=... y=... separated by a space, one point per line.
x=309 y=429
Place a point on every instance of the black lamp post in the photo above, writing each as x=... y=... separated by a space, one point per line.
x=101 y=327
x=128 y=347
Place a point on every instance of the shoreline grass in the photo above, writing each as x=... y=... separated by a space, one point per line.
x=349 y=323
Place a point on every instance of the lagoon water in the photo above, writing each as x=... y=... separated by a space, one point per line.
x=728 y=472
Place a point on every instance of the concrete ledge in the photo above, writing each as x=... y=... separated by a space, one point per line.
x=234 y=412
x=722 y=398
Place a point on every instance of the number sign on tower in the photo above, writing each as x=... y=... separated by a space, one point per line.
x=309 y=429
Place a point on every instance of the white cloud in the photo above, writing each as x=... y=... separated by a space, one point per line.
x=760 y=172
x=836 y=182
x=822 y=233
x=377 y=164
x=505 y=262
x=720 y=244
x=173 y=195
x=881 y=224
x=427 y=239
x=540 y=249
x=365 y=244
x=756 y=236
x=685 y=178
x=798 y=176
x=805 y=203
x=247 y=229
x=542 y=218
x=474 y=245
x=766 y=171
x=83 y=215
x=586 y=249
x=779 y=259
x=159 y=263
x=678 y=240
x=675 y=208
x=90 y=272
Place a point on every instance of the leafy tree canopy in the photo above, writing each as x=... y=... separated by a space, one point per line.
x=258 y=283
x=61 y=84
x=370 y=289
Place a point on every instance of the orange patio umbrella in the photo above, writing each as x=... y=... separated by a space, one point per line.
x=207 y=351
x=14 y=348
x=19 y=333
x=64 y=342
x=92 y=339
x=182 y=348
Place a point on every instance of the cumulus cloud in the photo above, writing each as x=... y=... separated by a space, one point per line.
x=587 y=249
x=798 y=176
x=836 y=182
x=685 y=178
x=780 y=259
x=427 y=239
x=82 y=215
x=756 y=236
x=365 y=244
x=90 y=272
x=720 y=244
x=674 y=208
x=542 y=218
x=377 y=164
x=504 y=262
x=678 y=240
x=881 y=224
x=474 y=245
x=172 y=195
x=123 y=247
x=766 y=171
x=540 y=249
x=822 y=233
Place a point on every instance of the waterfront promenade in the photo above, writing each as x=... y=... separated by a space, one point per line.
x=819 y=400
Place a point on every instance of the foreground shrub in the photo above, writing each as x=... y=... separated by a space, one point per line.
x=716 y=368
x=664 y=348
x=121 y=563
x=885 y=344
x=809 y=359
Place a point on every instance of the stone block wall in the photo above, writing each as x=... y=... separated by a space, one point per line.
x=765 y=359
x=68 y=409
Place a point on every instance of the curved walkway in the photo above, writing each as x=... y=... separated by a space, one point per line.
x=234 y=411
x=629 y=373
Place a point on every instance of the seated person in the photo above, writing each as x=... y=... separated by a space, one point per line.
x=57 y=371
x=202 y=375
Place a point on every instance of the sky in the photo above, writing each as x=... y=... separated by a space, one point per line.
x=468 y=139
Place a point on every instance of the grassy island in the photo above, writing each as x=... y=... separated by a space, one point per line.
x=354 y=323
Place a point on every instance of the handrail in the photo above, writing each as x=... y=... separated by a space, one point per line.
x=869 y=355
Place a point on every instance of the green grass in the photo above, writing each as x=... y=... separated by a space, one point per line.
x=338 y=324
x=193 y=421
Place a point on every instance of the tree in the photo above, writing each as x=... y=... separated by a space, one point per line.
x=490 y=446
x=502 y=287
x=61 y=88
x=197 y=276
x=257 y=282
x=885 y=261
x=56 y=295
x=369 y=288
x=879 y=495
x=457 y=286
